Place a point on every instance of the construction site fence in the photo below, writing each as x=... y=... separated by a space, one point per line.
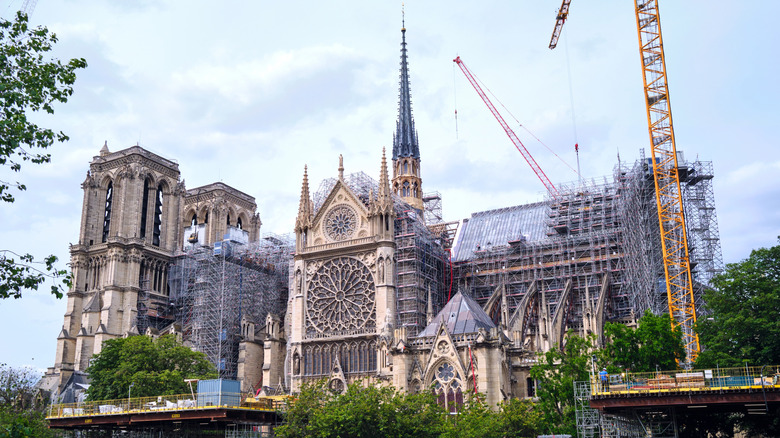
x=169 y=403
x=711 y=379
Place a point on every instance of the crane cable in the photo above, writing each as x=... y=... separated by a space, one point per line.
x=455 y=99
x=520 y=124
x=571 y=102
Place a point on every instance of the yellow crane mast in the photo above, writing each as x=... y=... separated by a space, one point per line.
x=668 y=196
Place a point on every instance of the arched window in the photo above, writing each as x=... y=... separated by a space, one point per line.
x=414 y=190
x=107 y=212
x=405 y=189
x=144 y=209
x=158 y=203
x=238 y=224
x=228 y=219
x=447 y=386
x=194 y=220
x=406 y=167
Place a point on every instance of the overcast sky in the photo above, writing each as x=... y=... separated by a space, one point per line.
x=248 y=92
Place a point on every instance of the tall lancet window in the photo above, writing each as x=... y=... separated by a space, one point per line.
x=158 y=203
x=107 y=213
x=144 y=209
x=238 y=224
x=405 y=192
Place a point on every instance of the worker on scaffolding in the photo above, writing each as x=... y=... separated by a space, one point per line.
x=604 y=379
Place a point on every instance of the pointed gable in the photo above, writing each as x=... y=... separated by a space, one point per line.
x=461 y=315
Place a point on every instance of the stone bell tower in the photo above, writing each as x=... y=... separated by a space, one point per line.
x=128 y=234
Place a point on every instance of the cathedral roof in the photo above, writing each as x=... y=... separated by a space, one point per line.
x=491 y=228
x=405 y=138
x=461 y=315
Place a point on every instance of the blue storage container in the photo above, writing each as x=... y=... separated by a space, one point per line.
x=219 y=392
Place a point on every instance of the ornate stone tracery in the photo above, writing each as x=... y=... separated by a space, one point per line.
x=341 y=297
x=341 y=223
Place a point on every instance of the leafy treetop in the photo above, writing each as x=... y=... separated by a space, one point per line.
x=153 y=367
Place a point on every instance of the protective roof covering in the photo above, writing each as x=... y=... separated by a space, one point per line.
x=490 y=228
x=461 y=315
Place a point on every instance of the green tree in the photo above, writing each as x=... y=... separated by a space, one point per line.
x=741 y=320
x=652 y=345
x=520 y=418
x=556 y=372
x=153 y=367
x=362 y=412
x=29 y=83
x=475 y=419
x=22 y=405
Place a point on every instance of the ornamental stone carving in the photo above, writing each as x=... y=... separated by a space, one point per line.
x=340 y=297
x=341 y=223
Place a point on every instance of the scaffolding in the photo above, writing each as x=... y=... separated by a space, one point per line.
x=215 y=289
x=597 y=237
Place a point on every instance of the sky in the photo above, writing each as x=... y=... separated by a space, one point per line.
x=247 y=93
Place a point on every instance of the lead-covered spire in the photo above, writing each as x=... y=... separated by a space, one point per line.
x=405 y=138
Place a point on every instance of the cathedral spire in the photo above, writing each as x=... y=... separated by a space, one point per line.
x=405 y=138
x=407 y=182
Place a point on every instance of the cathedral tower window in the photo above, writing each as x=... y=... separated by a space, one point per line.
x=228 y=219
x=107 y=213
x=238 y=224
x=405 y=192
x=144 y=209
x=157 y=216
x=194 y=220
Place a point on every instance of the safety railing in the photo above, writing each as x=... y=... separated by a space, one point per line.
x=711 y=379
x=168 y=403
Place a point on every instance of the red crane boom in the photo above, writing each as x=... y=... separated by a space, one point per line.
x=512 y=136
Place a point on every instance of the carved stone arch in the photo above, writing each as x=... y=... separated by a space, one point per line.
x=105 y=180
x=203 y=211
x=167 y=187
x=443 y=349
x=231 y=217
x=245 y=220
x=187 y=218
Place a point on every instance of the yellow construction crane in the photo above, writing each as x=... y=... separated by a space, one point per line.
x=668 y=196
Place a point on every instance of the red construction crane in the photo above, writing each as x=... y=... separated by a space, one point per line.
x=512 y=136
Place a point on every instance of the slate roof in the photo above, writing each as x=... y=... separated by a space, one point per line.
x=498 y=227
x=461 y=315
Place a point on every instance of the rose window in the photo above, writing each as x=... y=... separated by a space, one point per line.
x=445 y=372
x=340 y=223
x=341 y=296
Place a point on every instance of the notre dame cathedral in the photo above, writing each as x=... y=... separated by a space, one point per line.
x=375 y=288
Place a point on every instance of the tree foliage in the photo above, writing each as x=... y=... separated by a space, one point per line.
x=362 y=412
x=742 y=321
x=30 y=82
x=652 y=345
x=153 y=367
x=556 y=372
x=381 y=411
x=22 y=405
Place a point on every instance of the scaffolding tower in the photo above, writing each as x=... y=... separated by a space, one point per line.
x=214 y=289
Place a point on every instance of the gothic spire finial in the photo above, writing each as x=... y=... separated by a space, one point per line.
x=405 y=139
x=304 y=207
x=341 y=166
x=384 y=181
